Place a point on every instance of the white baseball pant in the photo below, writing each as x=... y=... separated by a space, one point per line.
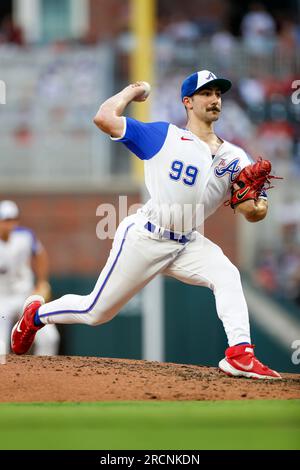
x=135 y=258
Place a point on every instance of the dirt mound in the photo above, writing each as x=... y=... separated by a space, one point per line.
x=76 y=379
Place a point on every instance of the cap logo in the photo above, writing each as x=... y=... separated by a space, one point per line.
x=211 y=76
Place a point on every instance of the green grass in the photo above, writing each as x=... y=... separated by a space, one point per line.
x=259 y=424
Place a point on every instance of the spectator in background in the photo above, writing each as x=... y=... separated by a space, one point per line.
x=181 y=28
x=266 y=272
x=184 y=34
x=258 y=30
x=223 y=45
x=278 y=273
x=287 y=40
x=277 y=267
x=23 y=271
x=10 y=32
x=289 y=261
x=275 y=139
x=252 y=91
x=296 y=283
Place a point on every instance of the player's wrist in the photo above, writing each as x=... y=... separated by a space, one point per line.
x=131 y=92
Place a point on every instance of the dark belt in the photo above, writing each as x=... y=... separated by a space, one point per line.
x=177 y=237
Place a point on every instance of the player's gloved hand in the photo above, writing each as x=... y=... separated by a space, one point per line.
x=251 y=182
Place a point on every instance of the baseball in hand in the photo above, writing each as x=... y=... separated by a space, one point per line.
x=147 y=89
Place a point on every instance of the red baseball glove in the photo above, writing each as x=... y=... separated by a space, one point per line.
x=251 y=181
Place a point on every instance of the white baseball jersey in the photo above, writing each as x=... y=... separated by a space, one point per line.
x=181 y=174
x=16 y=276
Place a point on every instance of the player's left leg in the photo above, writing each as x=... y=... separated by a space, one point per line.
x=203 y=263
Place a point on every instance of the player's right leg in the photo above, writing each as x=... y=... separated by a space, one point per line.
x=135 y=258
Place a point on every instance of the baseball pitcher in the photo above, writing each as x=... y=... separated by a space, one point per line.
x=189 y=173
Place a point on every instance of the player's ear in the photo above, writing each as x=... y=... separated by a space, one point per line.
x=187 y=102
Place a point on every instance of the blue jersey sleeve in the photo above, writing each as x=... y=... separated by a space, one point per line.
x=144 y=139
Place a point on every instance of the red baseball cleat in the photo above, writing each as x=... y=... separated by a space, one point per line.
x=240 y=361
x=24 y=331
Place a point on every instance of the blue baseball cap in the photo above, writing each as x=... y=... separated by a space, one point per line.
x=201 y=79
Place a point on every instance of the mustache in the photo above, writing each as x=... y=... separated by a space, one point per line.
x=214 y=108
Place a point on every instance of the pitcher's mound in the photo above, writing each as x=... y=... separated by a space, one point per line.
x=77 y=379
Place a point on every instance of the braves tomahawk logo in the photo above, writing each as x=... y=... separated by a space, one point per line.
x=232 y=168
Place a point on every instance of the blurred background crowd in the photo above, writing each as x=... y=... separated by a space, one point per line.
x=53 y=50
